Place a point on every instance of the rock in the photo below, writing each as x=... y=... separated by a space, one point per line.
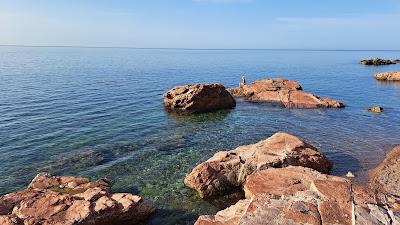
x=385 y=178
x=388 y=76
x=226 y=171
x=298 y=195
x=199 y=98
x=79 y=202
x=397 y=61
x=376 y=62
x=350 y=174
x=285 y=92
x=376 y=109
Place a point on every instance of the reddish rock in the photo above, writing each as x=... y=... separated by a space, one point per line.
x=199 y=98
x=388 y=76
x=297 y=195
x=71 y=201
x=227 y=171
x=285 y=92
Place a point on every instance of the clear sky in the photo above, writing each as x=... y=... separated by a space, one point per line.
x=298 y=24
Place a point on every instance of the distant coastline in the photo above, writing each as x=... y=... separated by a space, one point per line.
x=204 y=49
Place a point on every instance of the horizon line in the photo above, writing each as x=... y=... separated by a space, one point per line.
x=181 y=48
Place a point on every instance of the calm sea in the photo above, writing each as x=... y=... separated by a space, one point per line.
x=98 y=112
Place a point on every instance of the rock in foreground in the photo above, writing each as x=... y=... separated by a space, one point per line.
x=298 y=195
x=71 y=201
x=199 y=98
x=227 y=171
x=388 y=76
x=385 y=178
x=285 y=92
x=376 y=62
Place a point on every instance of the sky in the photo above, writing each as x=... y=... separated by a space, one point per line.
x=205 y=24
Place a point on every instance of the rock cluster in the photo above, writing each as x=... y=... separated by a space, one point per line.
x=52 y=200
x=285 y=92
x=226 y=171
x=199 y=98
x=298 y=195
x=377 y=62
x=388 y=76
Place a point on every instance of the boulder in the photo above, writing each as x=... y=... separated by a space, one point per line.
x=199 y=98
x=71 y=201
x=376 y=62
x=385 y=178
x=388 y=76
x=397 y=61
x=226 y=171
x=298 y=195
x=376 y=109
x=285 y=92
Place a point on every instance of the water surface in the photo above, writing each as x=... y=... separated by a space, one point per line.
x=97 y=112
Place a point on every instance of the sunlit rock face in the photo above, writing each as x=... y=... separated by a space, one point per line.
x=71 y=201
x=285 y=92
x=388 y=76
x=227 y=171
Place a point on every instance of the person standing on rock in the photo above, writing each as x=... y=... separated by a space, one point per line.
x=242 y=82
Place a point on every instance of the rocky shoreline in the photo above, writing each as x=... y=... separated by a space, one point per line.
x=293 y=194
x=69 y=201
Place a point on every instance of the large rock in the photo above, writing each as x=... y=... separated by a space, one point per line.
x=388 y=76
x=376 y=62
x=298 y=195
x=285 y=92
x=71 y=201
x=199 y=98
x=385 y=178
x=227 y=171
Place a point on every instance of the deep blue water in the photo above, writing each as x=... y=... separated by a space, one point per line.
x=97 y=112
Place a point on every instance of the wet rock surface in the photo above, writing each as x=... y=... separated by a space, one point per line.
x=285 y=92
x=226 y=171
x=377 y=62
x=388 y=76
x=299 y=195
x=70 y=201
x=199 y=98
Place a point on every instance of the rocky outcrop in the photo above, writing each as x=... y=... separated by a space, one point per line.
x=199 y=98
x=385 y=178
x=227 y=171
x=377 y=62
x=285 y=92
x=388 y=76
x=296 y=195
x=71 y=201
x=376 y=109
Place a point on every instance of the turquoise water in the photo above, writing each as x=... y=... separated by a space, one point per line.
x=97 y=112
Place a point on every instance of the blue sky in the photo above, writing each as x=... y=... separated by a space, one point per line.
x=298 y=24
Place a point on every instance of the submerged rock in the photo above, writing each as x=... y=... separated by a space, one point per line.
x=376 y=62
x=388 y=76
x=286 y=92
x=297 y=195
x=199 y=98
x=227 y=171
x=71 y=201
x=376 y=109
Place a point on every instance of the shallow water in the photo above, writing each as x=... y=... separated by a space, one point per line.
x=97 y=112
